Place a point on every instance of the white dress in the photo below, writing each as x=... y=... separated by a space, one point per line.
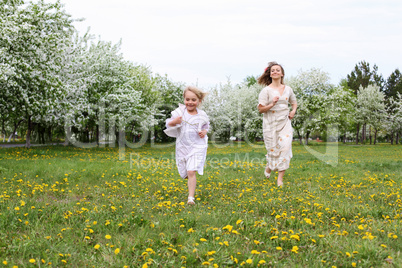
x=191 y=150
x=277 y=128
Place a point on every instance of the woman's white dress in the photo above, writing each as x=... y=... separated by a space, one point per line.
x=277 y=128
x=191 y=150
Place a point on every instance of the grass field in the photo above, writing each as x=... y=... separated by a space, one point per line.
x=74 y=207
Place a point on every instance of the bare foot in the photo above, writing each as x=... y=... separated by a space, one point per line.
x=267 y=173
x=190 y=200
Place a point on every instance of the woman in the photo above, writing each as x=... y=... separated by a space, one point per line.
x=273 y=103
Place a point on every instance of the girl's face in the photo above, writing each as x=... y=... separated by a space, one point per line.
x=191 y=101
x=276 y=72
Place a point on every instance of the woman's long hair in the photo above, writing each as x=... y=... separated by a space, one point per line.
x=265 y=79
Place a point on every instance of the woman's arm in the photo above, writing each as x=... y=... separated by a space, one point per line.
x=263 y=109
x=266 y=108
x=293 y=112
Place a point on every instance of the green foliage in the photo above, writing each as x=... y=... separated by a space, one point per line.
x=393 y=84
x=363 y=75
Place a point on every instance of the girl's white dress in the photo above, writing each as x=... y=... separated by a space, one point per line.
x=277 y=128
x=191 y=150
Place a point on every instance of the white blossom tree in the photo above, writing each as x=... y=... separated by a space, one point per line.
x=393 y=119
x=233 y=111
x=103 y=95
x=312 y=89
x=370 y=107
x=32 y=38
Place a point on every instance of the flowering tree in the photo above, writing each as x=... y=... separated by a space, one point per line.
x=312 y=89
x=393 y=120
x=32 y=38
x=103 y=95
x=370 y=108
x=233 y=111
x=342 y=105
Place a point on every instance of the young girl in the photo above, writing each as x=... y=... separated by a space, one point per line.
x=190 y=125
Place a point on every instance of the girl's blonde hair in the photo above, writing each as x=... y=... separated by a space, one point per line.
x=198 y=92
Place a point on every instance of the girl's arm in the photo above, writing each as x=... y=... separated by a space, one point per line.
x=171 y=122
x=204 y=128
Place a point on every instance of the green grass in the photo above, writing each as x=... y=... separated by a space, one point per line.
x=59 y=205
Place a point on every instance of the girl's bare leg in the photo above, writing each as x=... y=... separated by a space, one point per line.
x=192 y=183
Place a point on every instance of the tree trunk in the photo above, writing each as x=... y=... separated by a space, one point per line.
x=344 y=138
x=14 y=130
x=397 y=138
x=364 y=133
x=28 y=138
x=41 y=134
x=49 y=133
x=97 y=135
x=307 y=134
x=375 y=136
x=370 y=135
x=3 y=129
x=300 y=137
x=392 y=138
x=357 y=133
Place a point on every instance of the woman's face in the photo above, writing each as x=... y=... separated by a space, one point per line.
x=276 y=72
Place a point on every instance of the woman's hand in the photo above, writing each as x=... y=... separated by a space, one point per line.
x=275 y=100
x=202 y=133
x=292 y=114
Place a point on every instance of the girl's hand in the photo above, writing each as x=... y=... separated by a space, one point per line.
x=175 y=121
x=202 y=133
x=291 y=115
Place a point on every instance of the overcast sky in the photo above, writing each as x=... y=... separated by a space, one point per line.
x=207 y=41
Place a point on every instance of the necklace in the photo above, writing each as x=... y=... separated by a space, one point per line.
x=193 y=125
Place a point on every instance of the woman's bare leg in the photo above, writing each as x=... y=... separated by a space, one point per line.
x=280 y=177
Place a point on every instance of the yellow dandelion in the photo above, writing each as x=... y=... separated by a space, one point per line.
x=261 y=262
x=278 y=248
x=203 y=240
x=249 y=261
x=97 y=246
x=228 y=227
x=32 y=260
x=295 y=249
x=108 y=236
x=117 y=251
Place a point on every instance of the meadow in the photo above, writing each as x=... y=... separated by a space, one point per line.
x=75 y=207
